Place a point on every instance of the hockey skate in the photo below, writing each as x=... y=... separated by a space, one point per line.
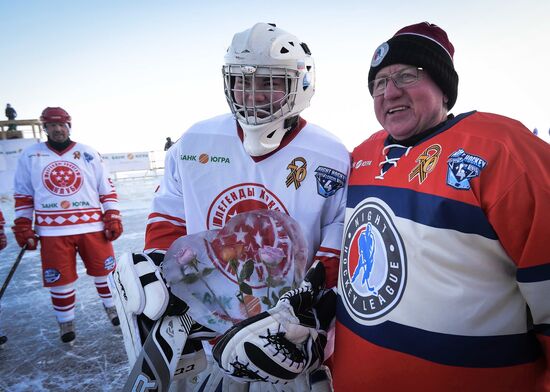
x=113 y=315
x=67 y=332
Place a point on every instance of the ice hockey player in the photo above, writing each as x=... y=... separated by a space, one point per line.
x=63 y=186
x=262 y=156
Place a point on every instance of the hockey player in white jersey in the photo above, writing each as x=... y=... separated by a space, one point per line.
x=263 y=155
x=63 y=186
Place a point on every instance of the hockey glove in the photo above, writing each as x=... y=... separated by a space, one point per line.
x=278 y=345
x=24 y=234
x=113 y=224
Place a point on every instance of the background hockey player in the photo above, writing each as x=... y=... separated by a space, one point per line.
x=458 y=210
x=262 y=156
x=64 y=185
x=3 y=244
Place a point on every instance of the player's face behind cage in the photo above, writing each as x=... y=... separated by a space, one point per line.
x=259 y=95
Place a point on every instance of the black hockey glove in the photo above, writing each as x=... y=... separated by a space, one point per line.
x=278 y=345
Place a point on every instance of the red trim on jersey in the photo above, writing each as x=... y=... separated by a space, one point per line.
x=359 y=365
x=23 y=201
x=109 y=197
x=330 y=258
x=60 y=152
x=160 y=235
x=165 y=216
x=331 y=270
x=67 y=218
x=324 y=249
x=287 y=138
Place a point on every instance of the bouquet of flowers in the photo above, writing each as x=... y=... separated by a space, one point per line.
x=231 y=274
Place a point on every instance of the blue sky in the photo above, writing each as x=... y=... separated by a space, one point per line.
x=133 y=72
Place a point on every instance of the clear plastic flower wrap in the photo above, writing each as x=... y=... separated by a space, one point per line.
x=236 y=272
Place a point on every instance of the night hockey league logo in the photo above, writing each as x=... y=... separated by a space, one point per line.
x=463 y=167
x=379 y=54
x=373 y=270
x=62 y=178
x=329 y=180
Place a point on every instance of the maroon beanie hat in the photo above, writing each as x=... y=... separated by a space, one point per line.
x=422 y=45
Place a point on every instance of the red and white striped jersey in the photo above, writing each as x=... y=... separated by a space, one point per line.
x=209 y=178
x=444 y=280
x=65 y=191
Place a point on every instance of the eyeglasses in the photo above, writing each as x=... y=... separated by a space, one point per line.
x=403 y=78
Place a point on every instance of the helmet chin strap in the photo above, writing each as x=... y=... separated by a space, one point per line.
x=262 y=139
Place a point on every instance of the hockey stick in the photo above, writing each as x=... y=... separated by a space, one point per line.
x=155 y=366
x=12 y=271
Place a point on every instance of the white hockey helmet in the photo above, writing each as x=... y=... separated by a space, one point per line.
x=270 y=53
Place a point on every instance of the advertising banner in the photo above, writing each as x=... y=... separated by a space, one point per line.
x=127 y=161
x=10 y=150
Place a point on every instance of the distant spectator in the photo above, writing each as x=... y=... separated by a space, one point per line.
x=168 y=143
x=11 y=114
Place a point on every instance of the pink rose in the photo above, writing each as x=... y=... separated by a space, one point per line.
x=271 y=256
x=185 y=256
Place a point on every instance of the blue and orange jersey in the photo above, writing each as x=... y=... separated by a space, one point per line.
x=444 y=281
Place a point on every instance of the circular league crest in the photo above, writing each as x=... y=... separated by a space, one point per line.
x=373 y=270
x=62 y=178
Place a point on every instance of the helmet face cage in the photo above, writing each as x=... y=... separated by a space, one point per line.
x=244 y=84
x=269 y=77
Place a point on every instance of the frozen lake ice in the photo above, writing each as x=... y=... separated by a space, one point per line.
x=34 y=358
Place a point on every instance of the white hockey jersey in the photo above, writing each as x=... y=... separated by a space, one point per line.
x=209 y=177
x=65 y=190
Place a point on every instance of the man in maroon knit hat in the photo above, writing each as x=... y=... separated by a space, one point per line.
x=444 y=274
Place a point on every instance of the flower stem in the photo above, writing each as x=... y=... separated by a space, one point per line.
x=212 y=292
